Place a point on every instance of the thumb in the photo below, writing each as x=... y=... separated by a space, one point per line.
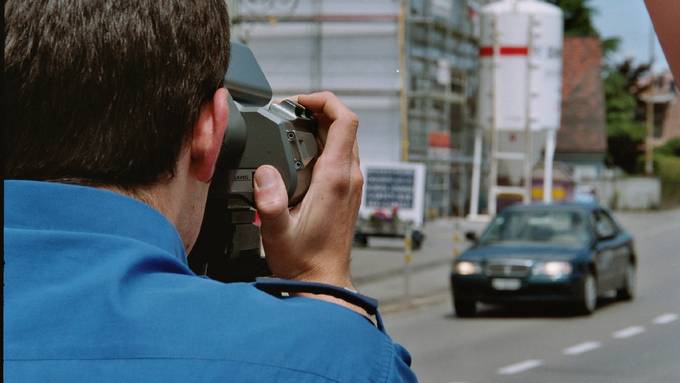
x=271 y=199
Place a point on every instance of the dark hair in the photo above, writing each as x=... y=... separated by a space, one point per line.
x=106 y=92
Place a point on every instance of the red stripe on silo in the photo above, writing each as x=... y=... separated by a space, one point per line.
x=485 y=51
x=514 y=51
x=505 y=51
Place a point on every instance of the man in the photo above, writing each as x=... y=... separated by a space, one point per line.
x=114 y=122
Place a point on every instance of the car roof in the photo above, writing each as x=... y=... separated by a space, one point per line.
x=571 y=205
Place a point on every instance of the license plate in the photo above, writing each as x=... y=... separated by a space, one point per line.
x=506 y=284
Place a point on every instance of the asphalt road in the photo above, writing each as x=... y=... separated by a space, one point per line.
x=622 y=342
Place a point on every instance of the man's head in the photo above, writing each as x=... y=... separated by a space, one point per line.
x=108 y=91
x=118 y=94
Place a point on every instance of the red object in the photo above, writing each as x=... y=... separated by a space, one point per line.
x=257 y=222
x=380 y=215
x=514 y=51
x=505 y=51
x=485 y=51
x=439 y=139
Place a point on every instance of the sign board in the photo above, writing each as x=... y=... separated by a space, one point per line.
x=390 y=184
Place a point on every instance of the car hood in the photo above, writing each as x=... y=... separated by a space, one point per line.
x=532 y=252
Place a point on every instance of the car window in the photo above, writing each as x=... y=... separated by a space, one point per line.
x=604 y=225
x=551 y=226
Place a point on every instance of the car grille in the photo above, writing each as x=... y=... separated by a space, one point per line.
x=509 y=268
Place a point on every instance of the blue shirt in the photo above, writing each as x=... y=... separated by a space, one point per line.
x=97 y=289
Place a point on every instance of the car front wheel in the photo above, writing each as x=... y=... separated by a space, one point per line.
x=465 y=308
x=587 y=299
x=360 y=240
x=627 y=290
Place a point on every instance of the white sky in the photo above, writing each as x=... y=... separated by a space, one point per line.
x=629 y=20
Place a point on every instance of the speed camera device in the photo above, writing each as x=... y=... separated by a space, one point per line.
x=260 y=132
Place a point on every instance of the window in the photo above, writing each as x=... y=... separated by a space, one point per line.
x=604 y=225
x=538 y=226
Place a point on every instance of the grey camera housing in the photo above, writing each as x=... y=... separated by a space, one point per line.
x=283 y=134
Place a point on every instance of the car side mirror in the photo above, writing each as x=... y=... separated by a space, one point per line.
x=471 y=236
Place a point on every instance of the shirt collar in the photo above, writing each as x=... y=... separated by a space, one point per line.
x=55 y=206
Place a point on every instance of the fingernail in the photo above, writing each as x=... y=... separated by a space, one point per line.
x=265 y=177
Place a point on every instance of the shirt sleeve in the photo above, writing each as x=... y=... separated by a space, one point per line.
x=277 y=286
x=401 y=367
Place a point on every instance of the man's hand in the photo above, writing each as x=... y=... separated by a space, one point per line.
x=312 y=241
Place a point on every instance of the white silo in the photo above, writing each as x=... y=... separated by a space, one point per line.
x=520 y=88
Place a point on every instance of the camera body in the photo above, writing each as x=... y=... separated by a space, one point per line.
x=283 y=135
x=259 y=132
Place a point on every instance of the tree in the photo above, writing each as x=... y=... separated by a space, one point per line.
x=578 y=17
x=578 y=22
x=625 y=130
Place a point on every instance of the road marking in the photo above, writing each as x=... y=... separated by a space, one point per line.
x=520 y=367
x=666 y=318
x=581 y=348
x=628 y=332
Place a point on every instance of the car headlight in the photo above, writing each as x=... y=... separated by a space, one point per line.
x=553 y=269
x=467 y=268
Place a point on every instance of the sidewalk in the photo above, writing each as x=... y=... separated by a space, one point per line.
x=379 y=269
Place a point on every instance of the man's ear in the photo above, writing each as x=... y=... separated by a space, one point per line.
x=207 y=136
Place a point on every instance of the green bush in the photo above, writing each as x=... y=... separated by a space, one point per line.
x=670 y=148
x=668 y=170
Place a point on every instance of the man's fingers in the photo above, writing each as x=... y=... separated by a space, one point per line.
x=271 y=200
x=323 y=102
x=341 y=136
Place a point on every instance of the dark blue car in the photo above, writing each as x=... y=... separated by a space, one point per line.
x=570 y=253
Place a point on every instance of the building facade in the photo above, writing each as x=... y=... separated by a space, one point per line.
x=408 y=68
x=582 y=137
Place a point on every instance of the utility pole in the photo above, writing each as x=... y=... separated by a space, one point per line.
x=403 y=79
x=317 y=50
x=649 y=163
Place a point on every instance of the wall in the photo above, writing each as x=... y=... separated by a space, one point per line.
x=630 y=193
x=358 y=60
x=352 y=48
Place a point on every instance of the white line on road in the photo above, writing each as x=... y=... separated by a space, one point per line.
x=581 y=348
x=666 y=318
x=520 y=367
x=628 y=332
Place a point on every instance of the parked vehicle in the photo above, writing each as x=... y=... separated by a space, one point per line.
x=568 y=252
x=383 y=225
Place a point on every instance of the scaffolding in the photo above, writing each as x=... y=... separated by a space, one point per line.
x=436 y=53
x=442 y=55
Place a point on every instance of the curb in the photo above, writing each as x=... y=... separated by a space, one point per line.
x=386 y=274
x=395 y=305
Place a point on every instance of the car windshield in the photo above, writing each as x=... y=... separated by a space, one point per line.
x=560 y=227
